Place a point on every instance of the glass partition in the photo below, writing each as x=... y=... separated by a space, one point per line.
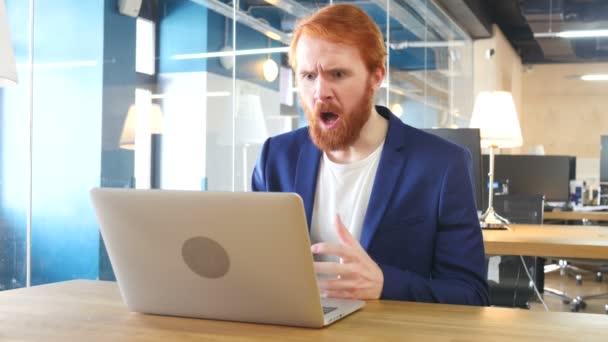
x=181 y=97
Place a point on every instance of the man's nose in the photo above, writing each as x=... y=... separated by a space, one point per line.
x=323 y=90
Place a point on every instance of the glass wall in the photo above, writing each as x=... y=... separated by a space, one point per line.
x=14 y=155
x=181 y=97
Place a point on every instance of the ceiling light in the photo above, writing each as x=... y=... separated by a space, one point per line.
x=270 y=70
x=583 y=34
x=595 y=77
x=229 y=52
x=272 y=35
x=58 y=65
x=573 y=34
x=397 y=109
x=192 y=94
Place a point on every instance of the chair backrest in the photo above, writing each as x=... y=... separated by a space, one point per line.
x=524 y=209
x=513 y=289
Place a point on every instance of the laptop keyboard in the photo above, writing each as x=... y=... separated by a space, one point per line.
x=328 y=309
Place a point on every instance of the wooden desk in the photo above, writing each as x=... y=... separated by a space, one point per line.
x=92 y=310
x=601 y=216
x=586 y=242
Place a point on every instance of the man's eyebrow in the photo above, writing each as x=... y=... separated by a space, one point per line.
x=333 y=70
x=325 y=71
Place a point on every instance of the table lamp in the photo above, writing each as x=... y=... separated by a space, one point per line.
x=8 y=68
x=146 y=128
x=127 y=136
x=495 y=115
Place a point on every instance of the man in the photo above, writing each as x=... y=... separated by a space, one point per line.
x=390 y=208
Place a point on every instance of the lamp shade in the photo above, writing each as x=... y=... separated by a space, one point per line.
x=250 y=123
x=495 y=115
x=127 y=137
x=8 y=68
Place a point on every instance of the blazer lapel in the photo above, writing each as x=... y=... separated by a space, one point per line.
x=392 y=162
x=306 y=176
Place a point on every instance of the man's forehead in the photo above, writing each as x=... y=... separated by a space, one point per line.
x=312 y=51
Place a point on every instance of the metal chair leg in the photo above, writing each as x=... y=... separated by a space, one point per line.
x=580 y=302
x=563 y=295
x=576 y=305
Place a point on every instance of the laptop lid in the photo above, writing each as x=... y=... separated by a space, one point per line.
x=228 y=256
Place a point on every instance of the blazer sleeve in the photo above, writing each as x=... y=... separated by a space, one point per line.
x=459 y=273
x=258 y=179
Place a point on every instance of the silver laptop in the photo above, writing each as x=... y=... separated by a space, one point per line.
x=215 y=255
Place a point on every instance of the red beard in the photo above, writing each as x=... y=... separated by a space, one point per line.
x=347 y=129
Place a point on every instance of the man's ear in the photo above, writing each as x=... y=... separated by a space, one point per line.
x=378 y=77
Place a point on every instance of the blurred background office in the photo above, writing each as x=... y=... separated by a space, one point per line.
x=177 y=94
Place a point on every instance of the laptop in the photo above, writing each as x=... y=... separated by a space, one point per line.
x=215 y=255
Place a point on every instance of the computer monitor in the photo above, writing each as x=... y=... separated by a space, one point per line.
x=604 y=158
x=468 y=138
x=534 y=175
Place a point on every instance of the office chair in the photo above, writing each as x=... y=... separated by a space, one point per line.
x=579 y=302
x=514 y=289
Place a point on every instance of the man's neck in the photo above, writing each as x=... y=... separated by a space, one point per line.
x=372 y=135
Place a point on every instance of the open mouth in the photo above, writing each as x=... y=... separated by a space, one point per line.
x=329 y=119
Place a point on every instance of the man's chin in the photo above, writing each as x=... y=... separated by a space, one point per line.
x=326 y=140
x=328 y=129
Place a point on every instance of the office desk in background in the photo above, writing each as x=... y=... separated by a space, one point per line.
x=84 y=310
x=560 y=241
x=600 y=216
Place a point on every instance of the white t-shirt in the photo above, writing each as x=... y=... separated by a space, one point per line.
x=342 y=189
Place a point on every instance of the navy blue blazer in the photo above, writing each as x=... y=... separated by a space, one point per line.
x=421 y=224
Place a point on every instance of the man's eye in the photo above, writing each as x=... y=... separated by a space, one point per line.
x=309 y=77
x=339 y=74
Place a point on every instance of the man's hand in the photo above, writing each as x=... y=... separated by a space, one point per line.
x=357 y=276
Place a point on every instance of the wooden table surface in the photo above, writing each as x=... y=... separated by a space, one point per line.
x=586 y=242
x=84 y=310
x=601 y=216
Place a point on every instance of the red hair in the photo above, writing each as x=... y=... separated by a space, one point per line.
x=345 y=24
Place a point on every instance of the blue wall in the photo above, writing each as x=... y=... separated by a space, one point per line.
x=183 y=30
x=66 y=139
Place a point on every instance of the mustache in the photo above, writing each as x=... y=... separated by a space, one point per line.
x=322 y=107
